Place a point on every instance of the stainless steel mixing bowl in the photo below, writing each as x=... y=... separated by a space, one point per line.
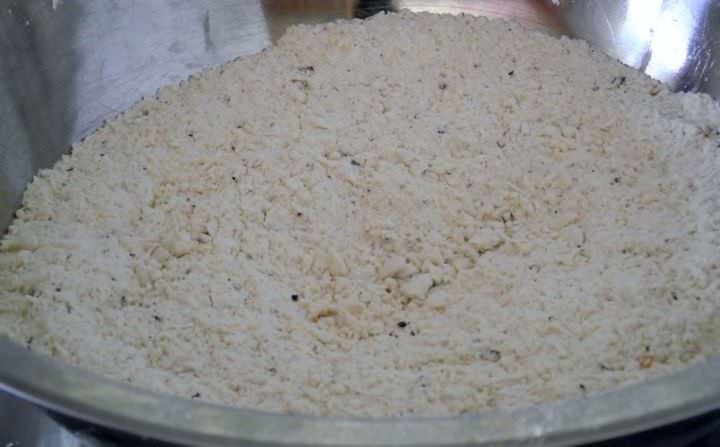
x=67 y=65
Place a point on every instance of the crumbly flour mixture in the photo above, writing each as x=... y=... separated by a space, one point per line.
x=410 y=215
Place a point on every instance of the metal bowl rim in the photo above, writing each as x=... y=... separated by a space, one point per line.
x=86 y=396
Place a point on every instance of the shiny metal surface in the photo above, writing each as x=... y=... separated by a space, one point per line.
x=676 y=41
x=115 y=405
x=67 y=68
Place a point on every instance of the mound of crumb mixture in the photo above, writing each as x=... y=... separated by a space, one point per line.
x=409 y=215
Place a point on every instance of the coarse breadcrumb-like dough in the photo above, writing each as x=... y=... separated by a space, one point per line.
x=414 y=214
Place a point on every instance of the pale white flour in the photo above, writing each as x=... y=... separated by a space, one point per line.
x=415 y=214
